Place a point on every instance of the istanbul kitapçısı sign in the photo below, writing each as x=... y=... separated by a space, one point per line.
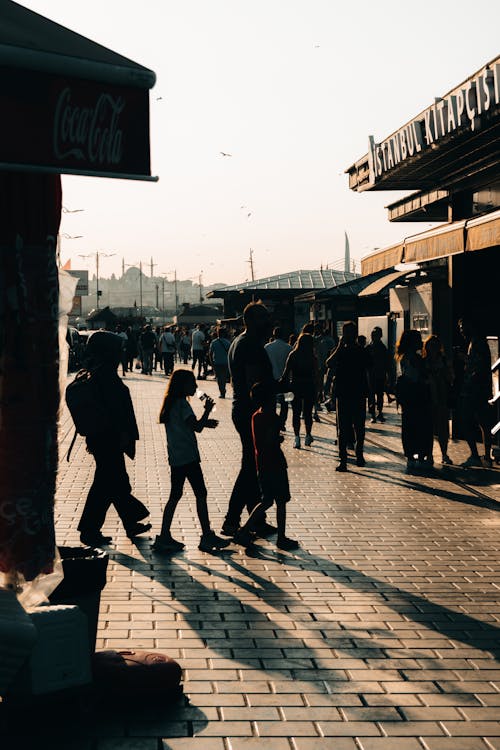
x=461 y=109
x=72 y=125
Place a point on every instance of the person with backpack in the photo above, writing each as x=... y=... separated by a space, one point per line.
x=110 y=435
x=181 y=426
x=217 y=353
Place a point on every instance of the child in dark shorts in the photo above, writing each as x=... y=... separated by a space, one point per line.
x=271 y=468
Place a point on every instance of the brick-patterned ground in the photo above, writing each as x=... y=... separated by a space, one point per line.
x=380 y=633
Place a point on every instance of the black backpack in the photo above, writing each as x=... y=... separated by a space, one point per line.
x=86 y=405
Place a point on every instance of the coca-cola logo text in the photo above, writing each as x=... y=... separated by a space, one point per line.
x=88 y=133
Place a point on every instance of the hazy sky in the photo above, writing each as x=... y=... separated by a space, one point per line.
x=290 y=88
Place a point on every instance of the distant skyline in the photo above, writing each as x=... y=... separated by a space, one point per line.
x=258 y=110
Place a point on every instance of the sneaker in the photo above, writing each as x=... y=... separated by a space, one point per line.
x=341 y=467
x=446 y=460
x=360 y=461
x=487 y=462
x=210 y=542
x=244 y=537
x=167 y=545
x=94 y=539
x=229 y=528
x=296 y=442
x=316 y=417
x=308 y=439
x=285 y=542
x=472 y=462
x=373 y=420
x=380 y=417
x=265 y=529
x=139 y=528
x=411 y=466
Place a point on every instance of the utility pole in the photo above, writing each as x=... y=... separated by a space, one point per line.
x=140 y=288
x=123 y=267
x=96 y=255
x=201 y=288
x=163 y=297
x=152 y=265
x=250 y=262
x=176 y=295
x=157 y=291
x=97 y=278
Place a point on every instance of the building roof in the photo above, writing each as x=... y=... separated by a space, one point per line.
x=299 y=280
x=350 y=288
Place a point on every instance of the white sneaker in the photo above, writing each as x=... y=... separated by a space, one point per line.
x=308 y=440
x=296 y=443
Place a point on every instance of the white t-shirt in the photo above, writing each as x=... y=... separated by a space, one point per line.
x=182 y=445
x=278 y=351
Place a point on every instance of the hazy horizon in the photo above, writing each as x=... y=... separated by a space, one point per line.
x=292 y=91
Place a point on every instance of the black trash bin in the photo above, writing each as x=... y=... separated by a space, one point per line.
x=84 y=579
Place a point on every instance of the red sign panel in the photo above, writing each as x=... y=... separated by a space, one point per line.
x=72 y=125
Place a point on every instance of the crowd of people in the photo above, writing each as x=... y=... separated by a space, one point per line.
x=156 y=348
x=268 y=373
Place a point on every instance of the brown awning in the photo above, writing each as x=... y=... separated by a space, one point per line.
x=380 y=285
x=387 y=258
x=484 y=232
x=437 y=244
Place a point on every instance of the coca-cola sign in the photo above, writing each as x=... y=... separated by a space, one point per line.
x=89 y=133
x=73 y=126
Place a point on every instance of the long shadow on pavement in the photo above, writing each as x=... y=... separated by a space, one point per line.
x=191 y=594
x=475 y=498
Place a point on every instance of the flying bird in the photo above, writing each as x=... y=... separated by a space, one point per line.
x=159 y=98
x=223 y=153
x=249 y=214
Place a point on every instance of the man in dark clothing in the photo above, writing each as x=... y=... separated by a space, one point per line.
x=114 y=437
x=377 y=375
x=476 y=391
x=248 y=364
x=148 y=345
x=349 y=363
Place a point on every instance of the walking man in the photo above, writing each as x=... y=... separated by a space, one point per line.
x=218 y=352
x=349 y=364
x=377 y=375
x=248 y=364
x=197 y=349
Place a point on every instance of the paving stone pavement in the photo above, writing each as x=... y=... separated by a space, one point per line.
x=380 y=633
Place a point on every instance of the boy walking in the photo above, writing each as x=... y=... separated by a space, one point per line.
x=271 y=468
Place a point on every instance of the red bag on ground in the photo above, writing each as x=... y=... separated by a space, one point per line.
x=143 y=675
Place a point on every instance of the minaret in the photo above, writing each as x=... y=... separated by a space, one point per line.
x=347 y=255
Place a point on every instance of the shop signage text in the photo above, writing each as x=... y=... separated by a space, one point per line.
x=73 y=125
x=460 y=109
x=89 y=133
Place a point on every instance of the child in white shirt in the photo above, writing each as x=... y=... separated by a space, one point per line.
x=183 y=456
